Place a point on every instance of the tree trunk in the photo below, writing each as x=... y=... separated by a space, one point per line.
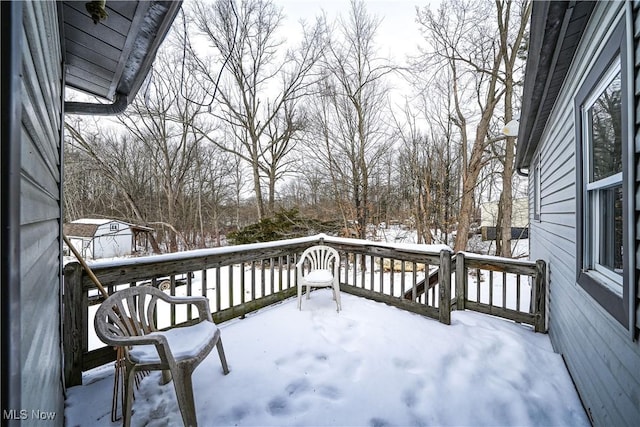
x=469 y=181
x=506 y=202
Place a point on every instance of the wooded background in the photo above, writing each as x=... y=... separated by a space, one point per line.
x=236 y=127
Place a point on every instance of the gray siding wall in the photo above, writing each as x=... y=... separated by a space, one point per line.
x=636 y=40
x=601 y=356
x=40 y=219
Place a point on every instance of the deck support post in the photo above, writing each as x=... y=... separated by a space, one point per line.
x=539 y=293
x=444 y=286
x=73 y=321
x=461 y=281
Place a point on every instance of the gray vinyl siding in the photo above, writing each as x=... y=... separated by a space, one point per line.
x=601 y=356
x=40 y=208
x=636 y=38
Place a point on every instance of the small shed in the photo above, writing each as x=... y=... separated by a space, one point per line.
x=104 y=238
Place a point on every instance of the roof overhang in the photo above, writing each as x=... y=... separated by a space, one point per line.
x=111 y=58
x=555 y=31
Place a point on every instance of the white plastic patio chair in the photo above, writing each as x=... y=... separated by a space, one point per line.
x=126 y=319
x=317 y=268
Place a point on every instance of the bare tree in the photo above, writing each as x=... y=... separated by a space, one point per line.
x=103 y=153
x=511 y=38
x=215 y=176
x=163 y=122
x=463 y=40
x=446 y=155
x=415 y=174
x=350 y=118
x=260 y=88
x=428 y=164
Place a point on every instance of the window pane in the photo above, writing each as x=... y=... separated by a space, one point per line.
x=611 y=229
x=606 y=138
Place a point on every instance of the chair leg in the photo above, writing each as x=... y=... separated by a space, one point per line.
x=184 y=392
x=308 y=291
x=129 y=379
x=166 y=377
x=299 y=296
x=223 y=359
x=336 y=292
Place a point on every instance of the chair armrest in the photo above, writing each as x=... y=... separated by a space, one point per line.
x=200 y=302
x=155 y=339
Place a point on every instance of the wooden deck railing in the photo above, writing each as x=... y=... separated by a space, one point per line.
x=237 y=280
x=388 y=272
x=240 y=279
x=504 y=287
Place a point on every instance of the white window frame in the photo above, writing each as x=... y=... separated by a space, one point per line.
x=593 y=193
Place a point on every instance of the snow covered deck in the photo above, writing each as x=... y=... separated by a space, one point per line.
x=369 y=365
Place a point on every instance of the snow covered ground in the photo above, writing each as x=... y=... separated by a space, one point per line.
x=504 y=289
x=369 y=365
x=399 y=234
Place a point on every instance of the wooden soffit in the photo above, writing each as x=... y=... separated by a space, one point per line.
x=555 y=31
x=113 y=55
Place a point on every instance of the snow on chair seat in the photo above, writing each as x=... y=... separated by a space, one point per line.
x=319 y=276
x=185 y=342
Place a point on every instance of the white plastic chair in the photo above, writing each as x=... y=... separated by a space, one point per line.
x=318 y=268
x=126 y=319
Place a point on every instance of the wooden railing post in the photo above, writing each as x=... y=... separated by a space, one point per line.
x=539 y=296
x=72 y=324
x=461 y=281
x=444 y=285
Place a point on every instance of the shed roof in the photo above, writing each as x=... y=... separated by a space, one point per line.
x=112 y=57
x=96 y=221
x=86 y=227
x=555 y=31
x=79 y=230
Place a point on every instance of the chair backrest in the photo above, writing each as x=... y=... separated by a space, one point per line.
x=129 y=312
x=320 y=257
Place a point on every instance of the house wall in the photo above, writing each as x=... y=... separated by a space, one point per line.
x=10 y=113
x=636 y=35
x=600 y=354
x=40 y=212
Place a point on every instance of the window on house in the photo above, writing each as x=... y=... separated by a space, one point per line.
x=602 y=174
x=113 y=227
x=601 y=133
